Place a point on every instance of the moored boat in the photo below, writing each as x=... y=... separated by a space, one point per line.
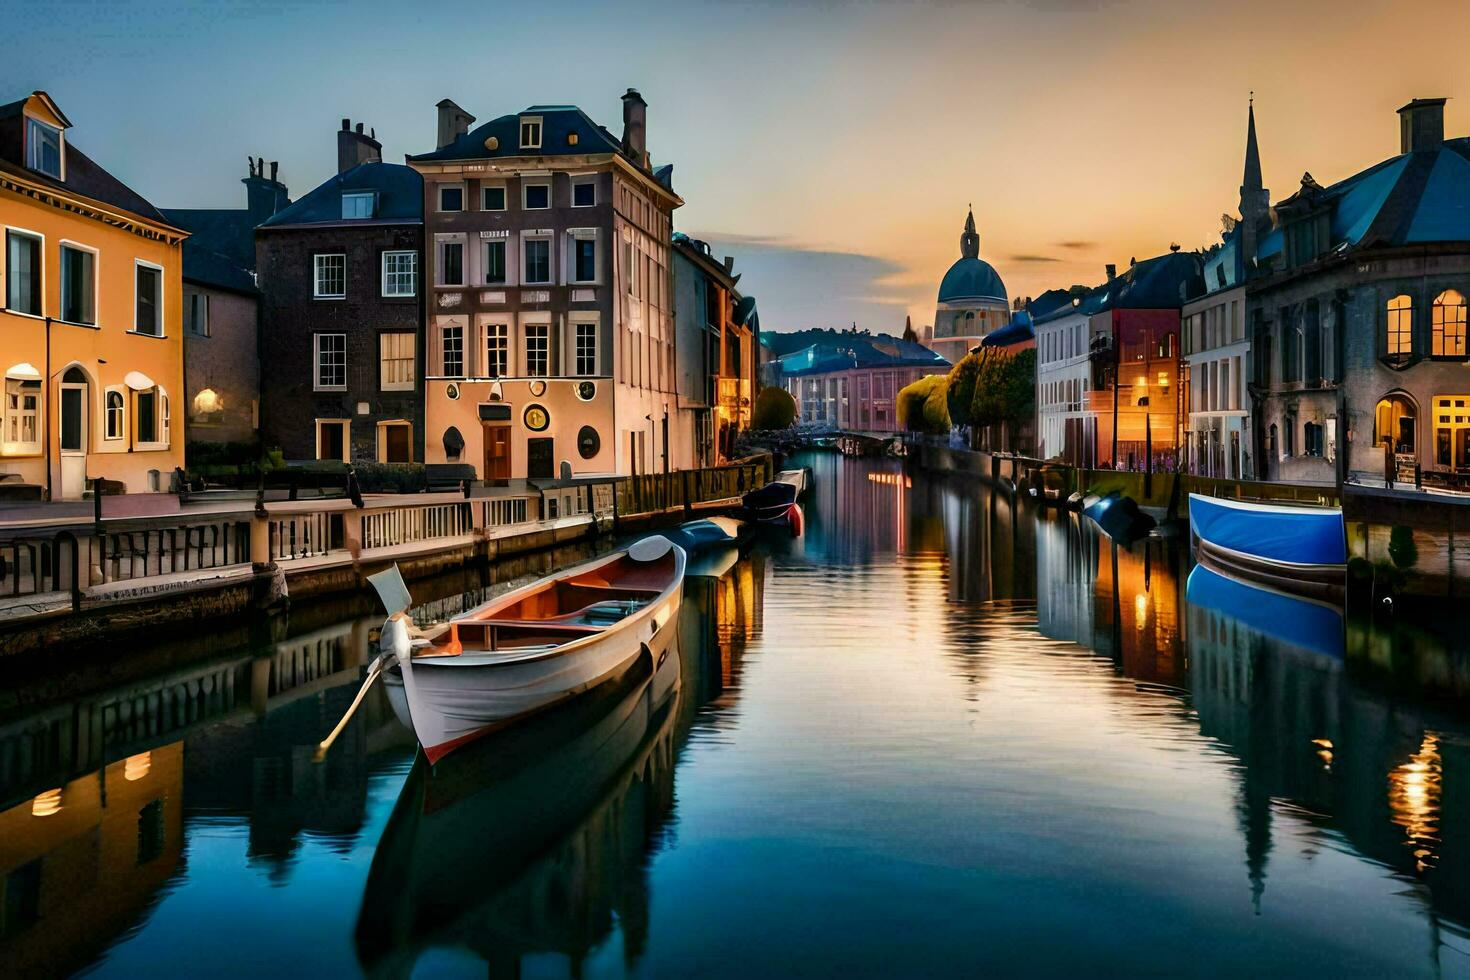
x=531 y=648
x=1295 y=549
x=775 y=503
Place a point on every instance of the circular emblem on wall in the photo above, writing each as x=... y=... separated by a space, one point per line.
x=585 y=390
x=588 y=442
x=538 y=388
x=451 y=391
x=537 y=419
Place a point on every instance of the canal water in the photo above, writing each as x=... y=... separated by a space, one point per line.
x=938 y=735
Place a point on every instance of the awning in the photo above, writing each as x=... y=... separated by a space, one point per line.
x=138 y=381
x=23 y=372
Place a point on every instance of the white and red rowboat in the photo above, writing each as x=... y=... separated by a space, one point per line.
x=532 y=648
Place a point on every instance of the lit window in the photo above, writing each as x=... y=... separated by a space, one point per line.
x=112 y=424
x=22 y=433
x=331 y=361
x=43 y=148
x=538 y=261
x=395 y=364
x=492 y=199
x=538 y=349
x=538 y=197
x=584 y=194
x=400 y=273
x=23 y=273
x=1400 y=326
x=330 y=280
x=451 y=263
x=451 y=197
x=149 y=316
x=495 y=262
x=78 y=285
x=497 y=350
x=1448 y=323
x=358 y=204
x=531 y=133
x=196 y=314
x=586 y=350
x=453 y=351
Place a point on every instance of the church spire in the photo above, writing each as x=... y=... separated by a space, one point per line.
x=1253 y=198
x=970 y=241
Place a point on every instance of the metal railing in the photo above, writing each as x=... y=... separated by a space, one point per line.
x=412 y=524
x=144 y=548
x=311 y=534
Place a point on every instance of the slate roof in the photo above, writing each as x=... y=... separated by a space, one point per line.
x=846 y=351
x=1164 y=282
x=1018 y=331
x=400 y=198
x=220 y=249
x=1049 y=302
x=86 y=178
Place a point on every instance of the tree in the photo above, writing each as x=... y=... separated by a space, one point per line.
x=923 y=405
x=962 y=378
x=774 y=409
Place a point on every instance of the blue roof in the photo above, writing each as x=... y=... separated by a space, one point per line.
x=1164 y=282
x=558 y=122
x=859 y=350
x=971 y=278
x=400 y=193
x=1018 y=331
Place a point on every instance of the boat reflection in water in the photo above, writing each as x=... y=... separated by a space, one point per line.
x=537 y=840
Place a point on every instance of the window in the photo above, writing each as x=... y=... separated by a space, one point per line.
x=492 y=198
x=331 y=361
x=22 y=273
x=1448 y=323
x=1312 y=439
x=112 y=415
x=330 y=280
x=150 y=409
x=400 y=273
x=538 y=349
x=453 y=341
x=78 y=285
x=497 y=350
x=451 y=197
x=451 y=263
x=22 y=432
x=331 y=439
x=395 y=442
x=495 y=261
x=1400 y=326
x=584 y=259
x=584 y=194
x=530 y=132
x=538 y=197
x=538 y=261
x=43 y=148
x=149 y=316
x=586 y=349
x=196 y=313
x=358 y=204
x=395 y=361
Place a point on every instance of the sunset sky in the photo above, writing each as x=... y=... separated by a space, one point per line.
x=830 y=147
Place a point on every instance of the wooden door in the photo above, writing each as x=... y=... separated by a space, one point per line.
x=497 y=453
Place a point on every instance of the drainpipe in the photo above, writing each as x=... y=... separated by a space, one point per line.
x=46 y=394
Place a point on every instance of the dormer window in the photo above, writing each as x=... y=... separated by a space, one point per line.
x=358 y=204
x=43 y=148
x=530 y=132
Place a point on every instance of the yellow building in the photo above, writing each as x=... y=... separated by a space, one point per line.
x=90 y=279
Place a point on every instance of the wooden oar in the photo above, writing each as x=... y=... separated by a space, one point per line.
x=326 y=743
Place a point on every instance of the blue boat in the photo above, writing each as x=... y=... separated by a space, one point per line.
x=1300 y=550
x=1302 y=623
x=706 y=534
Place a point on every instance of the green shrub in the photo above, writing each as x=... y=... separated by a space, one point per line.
x=961 y=387
x=391 y=477
x=774 y=409
x=915 y=412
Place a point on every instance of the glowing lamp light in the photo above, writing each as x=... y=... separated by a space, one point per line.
x=47 y=803
x=208 y=401
x=137 y=766
x=1140 y=610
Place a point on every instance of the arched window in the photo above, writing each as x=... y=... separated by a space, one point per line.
x=1273 y=442
x=1400 y=326
x=113 y=416
x=1447 y=320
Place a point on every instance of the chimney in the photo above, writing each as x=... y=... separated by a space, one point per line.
x=355 y=147
x=454 y=122
x=1112 y=271
x=264 y=196
x=635 y=127
x=1421 y=125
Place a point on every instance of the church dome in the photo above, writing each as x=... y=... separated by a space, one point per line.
x=971 y=277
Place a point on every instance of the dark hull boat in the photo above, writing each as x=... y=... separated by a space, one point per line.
x=776 y=502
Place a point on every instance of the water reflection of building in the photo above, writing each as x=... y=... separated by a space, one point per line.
x=856 y=509
x=720 y=616
x=988 y=559
x=1066 y=569
x=81 y=862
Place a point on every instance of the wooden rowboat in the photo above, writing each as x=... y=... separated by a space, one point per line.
x=529 y=649
x=1296 y=549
